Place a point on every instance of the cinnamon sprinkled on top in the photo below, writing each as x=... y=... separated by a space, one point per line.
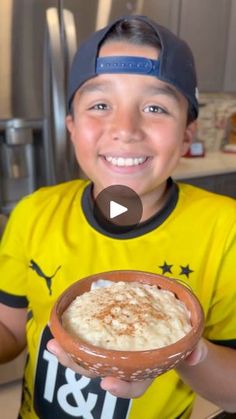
x=128 y=316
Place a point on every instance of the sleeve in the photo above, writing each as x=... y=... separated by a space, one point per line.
x=13 y=258
x=221 y=318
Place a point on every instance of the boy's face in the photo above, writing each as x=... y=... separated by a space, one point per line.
x=129 y=129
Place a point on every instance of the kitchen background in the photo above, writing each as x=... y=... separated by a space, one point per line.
x=37 y=41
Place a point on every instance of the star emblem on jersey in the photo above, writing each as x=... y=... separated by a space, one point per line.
x=185 y=270
x=166 y=268
x=118 y=208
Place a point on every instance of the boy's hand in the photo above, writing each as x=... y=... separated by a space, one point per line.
x=135 y=389
x=114 y=385
x=66 y=360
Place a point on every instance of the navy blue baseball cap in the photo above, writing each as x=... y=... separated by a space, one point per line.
x=175 y=63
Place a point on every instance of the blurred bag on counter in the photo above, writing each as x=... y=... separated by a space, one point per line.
x=229 y=144
x=196 y=149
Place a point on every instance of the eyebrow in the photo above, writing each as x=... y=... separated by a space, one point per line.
x=102 y=86
x=94 y=86
x=165 y=89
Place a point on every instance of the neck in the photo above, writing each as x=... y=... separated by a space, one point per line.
x=154 y=201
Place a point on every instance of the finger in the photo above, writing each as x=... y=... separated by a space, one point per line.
x=66 y=360
x=124 y=389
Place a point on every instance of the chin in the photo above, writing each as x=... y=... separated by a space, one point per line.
x=101 y=186
x=132 y=185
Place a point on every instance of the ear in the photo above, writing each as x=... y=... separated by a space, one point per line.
x=71 y=127
x=189 y=134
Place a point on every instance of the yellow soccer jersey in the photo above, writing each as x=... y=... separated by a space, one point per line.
x=53 y=239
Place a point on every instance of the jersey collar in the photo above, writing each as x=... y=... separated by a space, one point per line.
x=143 y=228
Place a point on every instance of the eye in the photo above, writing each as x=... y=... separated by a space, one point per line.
x=154 y=109
x=100 y=106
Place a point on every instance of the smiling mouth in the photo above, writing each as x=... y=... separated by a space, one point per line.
x=126 y=161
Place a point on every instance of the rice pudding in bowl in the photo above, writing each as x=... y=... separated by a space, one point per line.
x=127 y=316
x=139 y=327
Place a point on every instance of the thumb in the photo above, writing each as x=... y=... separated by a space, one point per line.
x=198 y=354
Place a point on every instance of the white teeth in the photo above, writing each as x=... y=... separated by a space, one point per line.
x=129 y=161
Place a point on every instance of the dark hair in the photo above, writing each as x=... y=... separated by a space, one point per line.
x=134 y=31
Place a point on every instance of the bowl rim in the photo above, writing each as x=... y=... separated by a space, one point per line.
x=194 y=334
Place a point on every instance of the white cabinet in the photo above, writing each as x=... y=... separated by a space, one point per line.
x=204 y=24
x=230 y=65
x=165 y=12
x=209 y=27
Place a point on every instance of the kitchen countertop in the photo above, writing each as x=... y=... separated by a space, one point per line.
x=213 y=163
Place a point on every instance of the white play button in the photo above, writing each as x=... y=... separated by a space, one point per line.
x=116 y=209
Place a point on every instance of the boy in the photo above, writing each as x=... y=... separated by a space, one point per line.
x=133 y=106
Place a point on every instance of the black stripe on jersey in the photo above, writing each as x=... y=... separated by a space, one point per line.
x=181 y=414
x=229 y=343
x=29 y=315
x=16 y=301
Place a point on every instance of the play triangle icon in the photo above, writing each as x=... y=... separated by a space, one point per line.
x=116 y=209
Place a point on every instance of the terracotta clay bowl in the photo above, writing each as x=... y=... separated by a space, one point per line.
x=128 y=365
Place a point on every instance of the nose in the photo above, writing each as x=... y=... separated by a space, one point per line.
x=126 y=126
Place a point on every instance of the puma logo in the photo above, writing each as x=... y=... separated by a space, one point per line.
x=33 y=265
